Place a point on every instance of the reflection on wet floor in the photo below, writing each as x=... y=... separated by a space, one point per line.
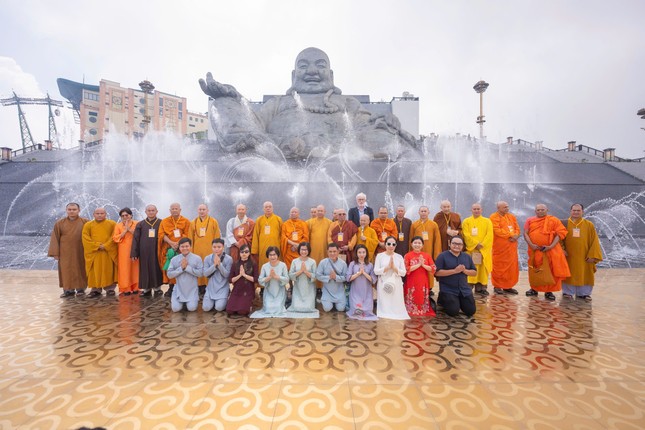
x=130 y=363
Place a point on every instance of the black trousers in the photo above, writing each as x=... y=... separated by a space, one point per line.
x=452 y=304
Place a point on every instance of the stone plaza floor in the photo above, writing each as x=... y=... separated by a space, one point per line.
x=130 y=363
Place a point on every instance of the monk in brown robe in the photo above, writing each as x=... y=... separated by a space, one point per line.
x=384 y=227
x=66 y=246
x=403 y=226
x=543 y=233
x=341 y=232
x=449 y=224
x=239 y=231
x=100 y=254
x=145 y=247
x=171 y=230
x=294 y=230
x=506 y=231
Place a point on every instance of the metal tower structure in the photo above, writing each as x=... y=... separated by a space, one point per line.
x=479 y=88
x=25 y=132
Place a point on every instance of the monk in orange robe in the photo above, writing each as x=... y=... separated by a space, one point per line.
x=341 y=232
x=449 y=224
x=542 y=234
x=506 y=231
x=266 y=233
x=318 y=229
x=428 y=230
x=128 y=269
x=384 y=227
x=365 y=235
x=171 y=229
x=202 y=231
x=294 y=231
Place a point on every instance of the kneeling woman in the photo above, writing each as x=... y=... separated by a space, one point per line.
x=390 y=268
x=274 y=277
x=360 y=275
x=303 y=276
x=243 y=274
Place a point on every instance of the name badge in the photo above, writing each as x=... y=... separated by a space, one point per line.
x=176 y=233
x=383 y=236
x=473 y=231
x=510 y=228
x=294 y=236
x=202 y=231
x=576 y=232
x=151 y=233
x=424 y=235
x=267 y=229
x=240 y=231
x=340 y=237
x=401 y=237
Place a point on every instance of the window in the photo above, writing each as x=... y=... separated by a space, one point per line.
x=180 y=115
x=160 y=101
x=93 y=131
x=92 y=119
x=142 y=111
x=142 y=101
x=180 y=106
x=92 y=113
x=160 y=111
x=91 y=96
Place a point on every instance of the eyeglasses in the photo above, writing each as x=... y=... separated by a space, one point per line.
x=391 y=244
x=246 y=251
x=457 y=243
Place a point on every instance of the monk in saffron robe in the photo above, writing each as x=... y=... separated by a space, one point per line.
x=384 y=227
x=542 y=234
x=266 y=233
x=403 y=226
x=294 y=231
x=506 y=231
x=478 y=237
x=318 y=229
x=128 y=269
x=341 y=232
x=429 y=232
x=449 y=224
x=66 y=246
x=239 y=231
x=145 y=248
x=171 y=230
x=583 y=252
x=365 y=235
x=201 y=232
x=100 y=254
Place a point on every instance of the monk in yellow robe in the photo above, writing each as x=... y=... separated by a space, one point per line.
x=66 y=247
x=266 y=233
x=100 y=254
x=384 y=227
x=478 y=238
x=341 y=232
x=583 y=252
x=171 y=230
x=318 y=229
x=202 y=231
x=366 y=235
x=428 y=230
x=294 y=231
x=449 y=223
x=127 y=268
x=506 y=231
x=542 y=234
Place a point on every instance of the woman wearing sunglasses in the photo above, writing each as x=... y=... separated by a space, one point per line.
x=390 y=269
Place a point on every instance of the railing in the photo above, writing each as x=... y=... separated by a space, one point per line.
x=578 y=148
x=31 y=148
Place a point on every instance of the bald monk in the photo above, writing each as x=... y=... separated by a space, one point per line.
x=403 y=226
x=449 y=223
x=542 y=234
x=66 y=247
x=477 y=231
x=266 y=233
x=429 y=232
x=506 y=232
x=100 y=254
x=145 y=250
x=366 y=235
x=318 y=229
x=294 y=231
x=341 y=232
x=582 y=248
x=171 y=230
x=202 y=231
x=384 y=227
x=239 y=231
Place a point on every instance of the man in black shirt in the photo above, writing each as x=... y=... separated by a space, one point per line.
x=453 y=269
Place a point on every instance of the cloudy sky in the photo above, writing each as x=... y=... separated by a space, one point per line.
x=558 y=70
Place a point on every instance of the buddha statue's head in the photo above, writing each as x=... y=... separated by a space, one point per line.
x=312 y=73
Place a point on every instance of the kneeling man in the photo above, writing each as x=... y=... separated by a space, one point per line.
x=185 y=268
x=453 y=269
x=217 y=267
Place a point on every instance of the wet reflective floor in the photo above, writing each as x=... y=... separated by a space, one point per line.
x=130 y=363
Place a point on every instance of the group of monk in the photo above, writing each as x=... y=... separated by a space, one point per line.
x=141 y=256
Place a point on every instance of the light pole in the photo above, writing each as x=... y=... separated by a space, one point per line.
x=479 y=88
x=641 y=113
